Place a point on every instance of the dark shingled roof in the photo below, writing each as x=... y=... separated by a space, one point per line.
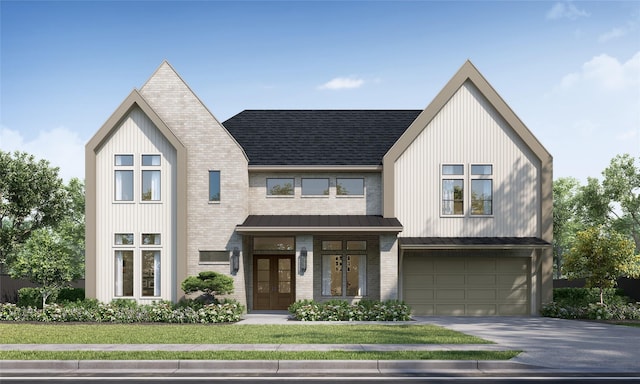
x=476 y=242
x=340 y=222
x=318 y=137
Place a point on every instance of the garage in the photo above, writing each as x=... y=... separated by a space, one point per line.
x=467 y=282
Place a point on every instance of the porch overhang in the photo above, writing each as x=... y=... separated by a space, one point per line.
x=319 y=223
x=415 y=243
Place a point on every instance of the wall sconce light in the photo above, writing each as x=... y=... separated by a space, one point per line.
x=303 y=260
x=235 y=260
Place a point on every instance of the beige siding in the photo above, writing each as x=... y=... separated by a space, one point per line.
x=210 y=226
x=261 y=204
x=136 y=136
x=467 y=131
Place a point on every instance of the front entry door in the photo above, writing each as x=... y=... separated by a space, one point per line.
x=273 y=282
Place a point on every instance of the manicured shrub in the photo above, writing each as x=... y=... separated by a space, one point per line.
x=579 y=297
x=341 y=310
x=29 y=297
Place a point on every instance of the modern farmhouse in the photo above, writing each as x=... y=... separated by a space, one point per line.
x=447 y=208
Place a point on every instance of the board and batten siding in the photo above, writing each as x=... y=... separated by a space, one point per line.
x=136 y=135
x=468 y=130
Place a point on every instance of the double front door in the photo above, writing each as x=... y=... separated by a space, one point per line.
x=273 y=281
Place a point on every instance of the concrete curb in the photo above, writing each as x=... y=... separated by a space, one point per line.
x=8 y=367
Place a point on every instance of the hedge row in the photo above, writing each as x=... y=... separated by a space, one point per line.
x=125 y=311
x=340 y=310
x=583 y=303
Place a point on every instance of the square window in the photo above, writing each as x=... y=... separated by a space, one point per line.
x=124 y=160
x=280 y=187
x=315 y=187
x=151 y=160
x=214 y=186
x=350 y=187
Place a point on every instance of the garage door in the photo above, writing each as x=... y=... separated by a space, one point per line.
x=435 y=283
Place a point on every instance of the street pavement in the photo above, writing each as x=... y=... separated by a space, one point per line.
x=548 y=345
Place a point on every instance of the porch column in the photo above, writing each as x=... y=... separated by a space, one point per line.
x=304 y=280
x=388 y=267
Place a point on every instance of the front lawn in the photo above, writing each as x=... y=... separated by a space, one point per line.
x=66 y=333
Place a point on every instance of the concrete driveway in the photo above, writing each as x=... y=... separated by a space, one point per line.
x=556 y=343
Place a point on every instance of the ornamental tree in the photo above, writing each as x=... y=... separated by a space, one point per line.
x=601 y=257
x=46 y=260
x=209 y=283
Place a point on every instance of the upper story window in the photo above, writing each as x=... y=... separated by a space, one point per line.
x=214 y=186
x=123 y=178
x=280 y=187
x=124 y=160
x=315 y=187
x=452 y=189
x=481 y=189
x=350 y=187
x=150 y=178
x=150 y=239
x=123 y=239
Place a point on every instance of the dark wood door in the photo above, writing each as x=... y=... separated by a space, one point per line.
x=273 y=282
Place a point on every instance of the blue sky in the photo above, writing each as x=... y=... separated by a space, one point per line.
x=569 y=70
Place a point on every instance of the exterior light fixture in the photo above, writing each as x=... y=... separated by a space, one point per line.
x=303 y=260
x=235 y=260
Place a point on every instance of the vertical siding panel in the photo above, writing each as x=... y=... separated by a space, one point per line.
x=467 y=130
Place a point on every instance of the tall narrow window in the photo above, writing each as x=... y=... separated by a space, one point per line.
x=481 y=190
x=151 y=185
x=123 y=185
x=124 y=273
x=150 y=273
x=452 y=189
x=214 y=186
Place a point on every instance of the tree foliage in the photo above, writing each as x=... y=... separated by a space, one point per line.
x=565 y=223
x=31 y=197
x=71 y=227
x=601 y=257
x=46 y=260
x=210 y=283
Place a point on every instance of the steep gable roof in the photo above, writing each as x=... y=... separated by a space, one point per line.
x=318 y=137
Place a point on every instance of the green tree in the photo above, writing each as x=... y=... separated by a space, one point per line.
x=31 y=197
x=210 y=283
x=46 y=260
x=72 y=226
x=601 y=257
x=565 y=223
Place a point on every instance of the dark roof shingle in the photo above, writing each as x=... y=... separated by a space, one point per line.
x=318 y=137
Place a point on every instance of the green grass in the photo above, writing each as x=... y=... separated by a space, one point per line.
x=65 y=333
x=629 y=324
x=258 y=355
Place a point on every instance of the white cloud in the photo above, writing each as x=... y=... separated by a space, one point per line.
x=617 y=32
x=342 y=83
x=60 y=146
x=607 y=73
x=565 y=10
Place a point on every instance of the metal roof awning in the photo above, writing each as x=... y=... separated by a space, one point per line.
x=472 y=243
x=319 y=223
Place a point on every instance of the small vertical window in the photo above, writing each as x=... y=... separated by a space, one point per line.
x=350 y=187
x=124 y=273
x=452 y=189
x=481 y=190
x=150 y=185
x=123 y=185
x=150 y=273
x=214 y=186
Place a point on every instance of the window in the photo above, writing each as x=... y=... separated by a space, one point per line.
x=150 y=185
x=150 y=273
x=452 y=189
x=350 y=187
x=124 y=160
x=214 y=257
x=124 y=273
x=481 y=190
x=123 y=185
x=123 y=239
x=151 y=160
x=344 y=269
x=214 y=186
x=150 y=239
x=315 y=187
x=273 y=243
x=280 y=187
